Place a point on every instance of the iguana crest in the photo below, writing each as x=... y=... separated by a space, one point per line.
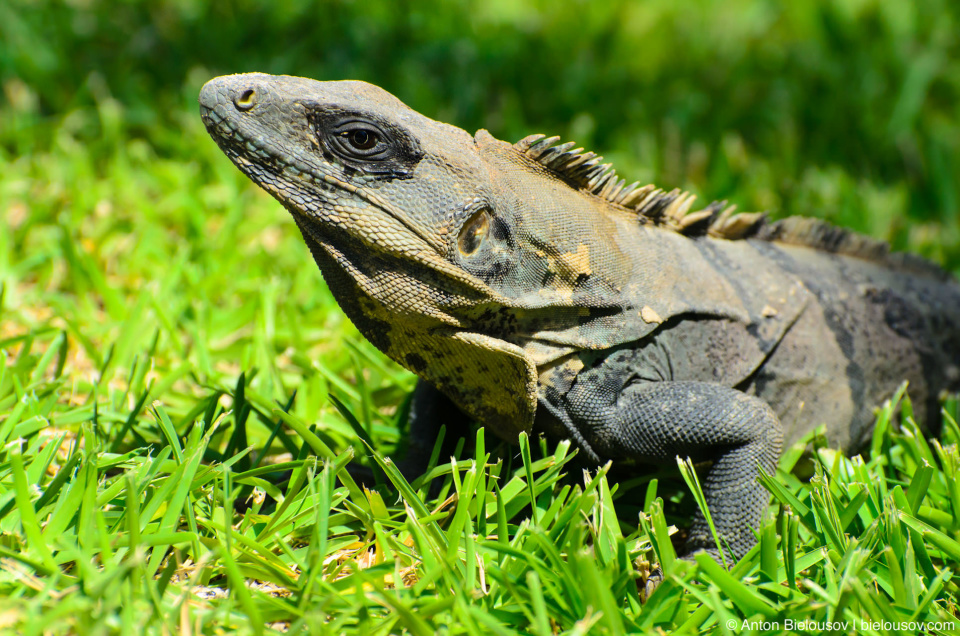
x=584 y=171
x=672 y=210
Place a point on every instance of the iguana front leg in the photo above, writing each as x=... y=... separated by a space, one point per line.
x=429 y=411
x=656 y=421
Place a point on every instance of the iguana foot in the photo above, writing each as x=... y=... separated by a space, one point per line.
x=649 y=583
x=651 y=579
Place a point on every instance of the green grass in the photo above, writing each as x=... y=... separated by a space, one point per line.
x=170 y=460
x=194 y=530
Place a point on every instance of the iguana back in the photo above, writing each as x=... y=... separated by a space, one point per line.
x=530 y=288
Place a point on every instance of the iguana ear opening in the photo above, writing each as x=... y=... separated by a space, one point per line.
x=491 y=380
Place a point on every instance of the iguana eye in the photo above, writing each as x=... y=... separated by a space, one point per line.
x=360 y=139
x=473 y=233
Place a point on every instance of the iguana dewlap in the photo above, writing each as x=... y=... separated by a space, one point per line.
x=526 y=284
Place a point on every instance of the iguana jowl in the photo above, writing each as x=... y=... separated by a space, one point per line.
x=526 y=284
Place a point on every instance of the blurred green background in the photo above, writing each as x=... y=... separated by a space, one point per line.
x=848 y=110
x=125 y=227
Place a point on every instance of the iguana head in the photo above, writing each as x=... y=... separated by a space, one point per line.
x=402 y=215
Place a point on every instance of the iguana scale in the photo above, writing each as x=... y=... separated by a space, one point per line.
x=529 y=287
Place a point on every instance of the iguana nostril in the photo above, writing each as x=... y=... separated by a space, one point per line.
x=247 y=100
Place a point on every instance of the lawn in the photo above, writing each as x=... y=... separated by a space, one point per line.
x=184 y=408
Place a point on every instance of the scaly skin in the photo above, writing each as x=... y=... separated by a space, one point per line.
x=531 y=292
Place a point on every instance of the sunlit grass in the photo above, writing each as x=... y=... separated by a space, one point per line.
x=116 y=518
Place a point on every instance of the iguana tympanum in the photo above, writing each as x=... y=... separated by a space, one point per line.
x=527 y=285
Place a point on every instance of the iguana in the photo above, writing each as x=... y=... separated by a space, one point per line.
x=530 y=287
